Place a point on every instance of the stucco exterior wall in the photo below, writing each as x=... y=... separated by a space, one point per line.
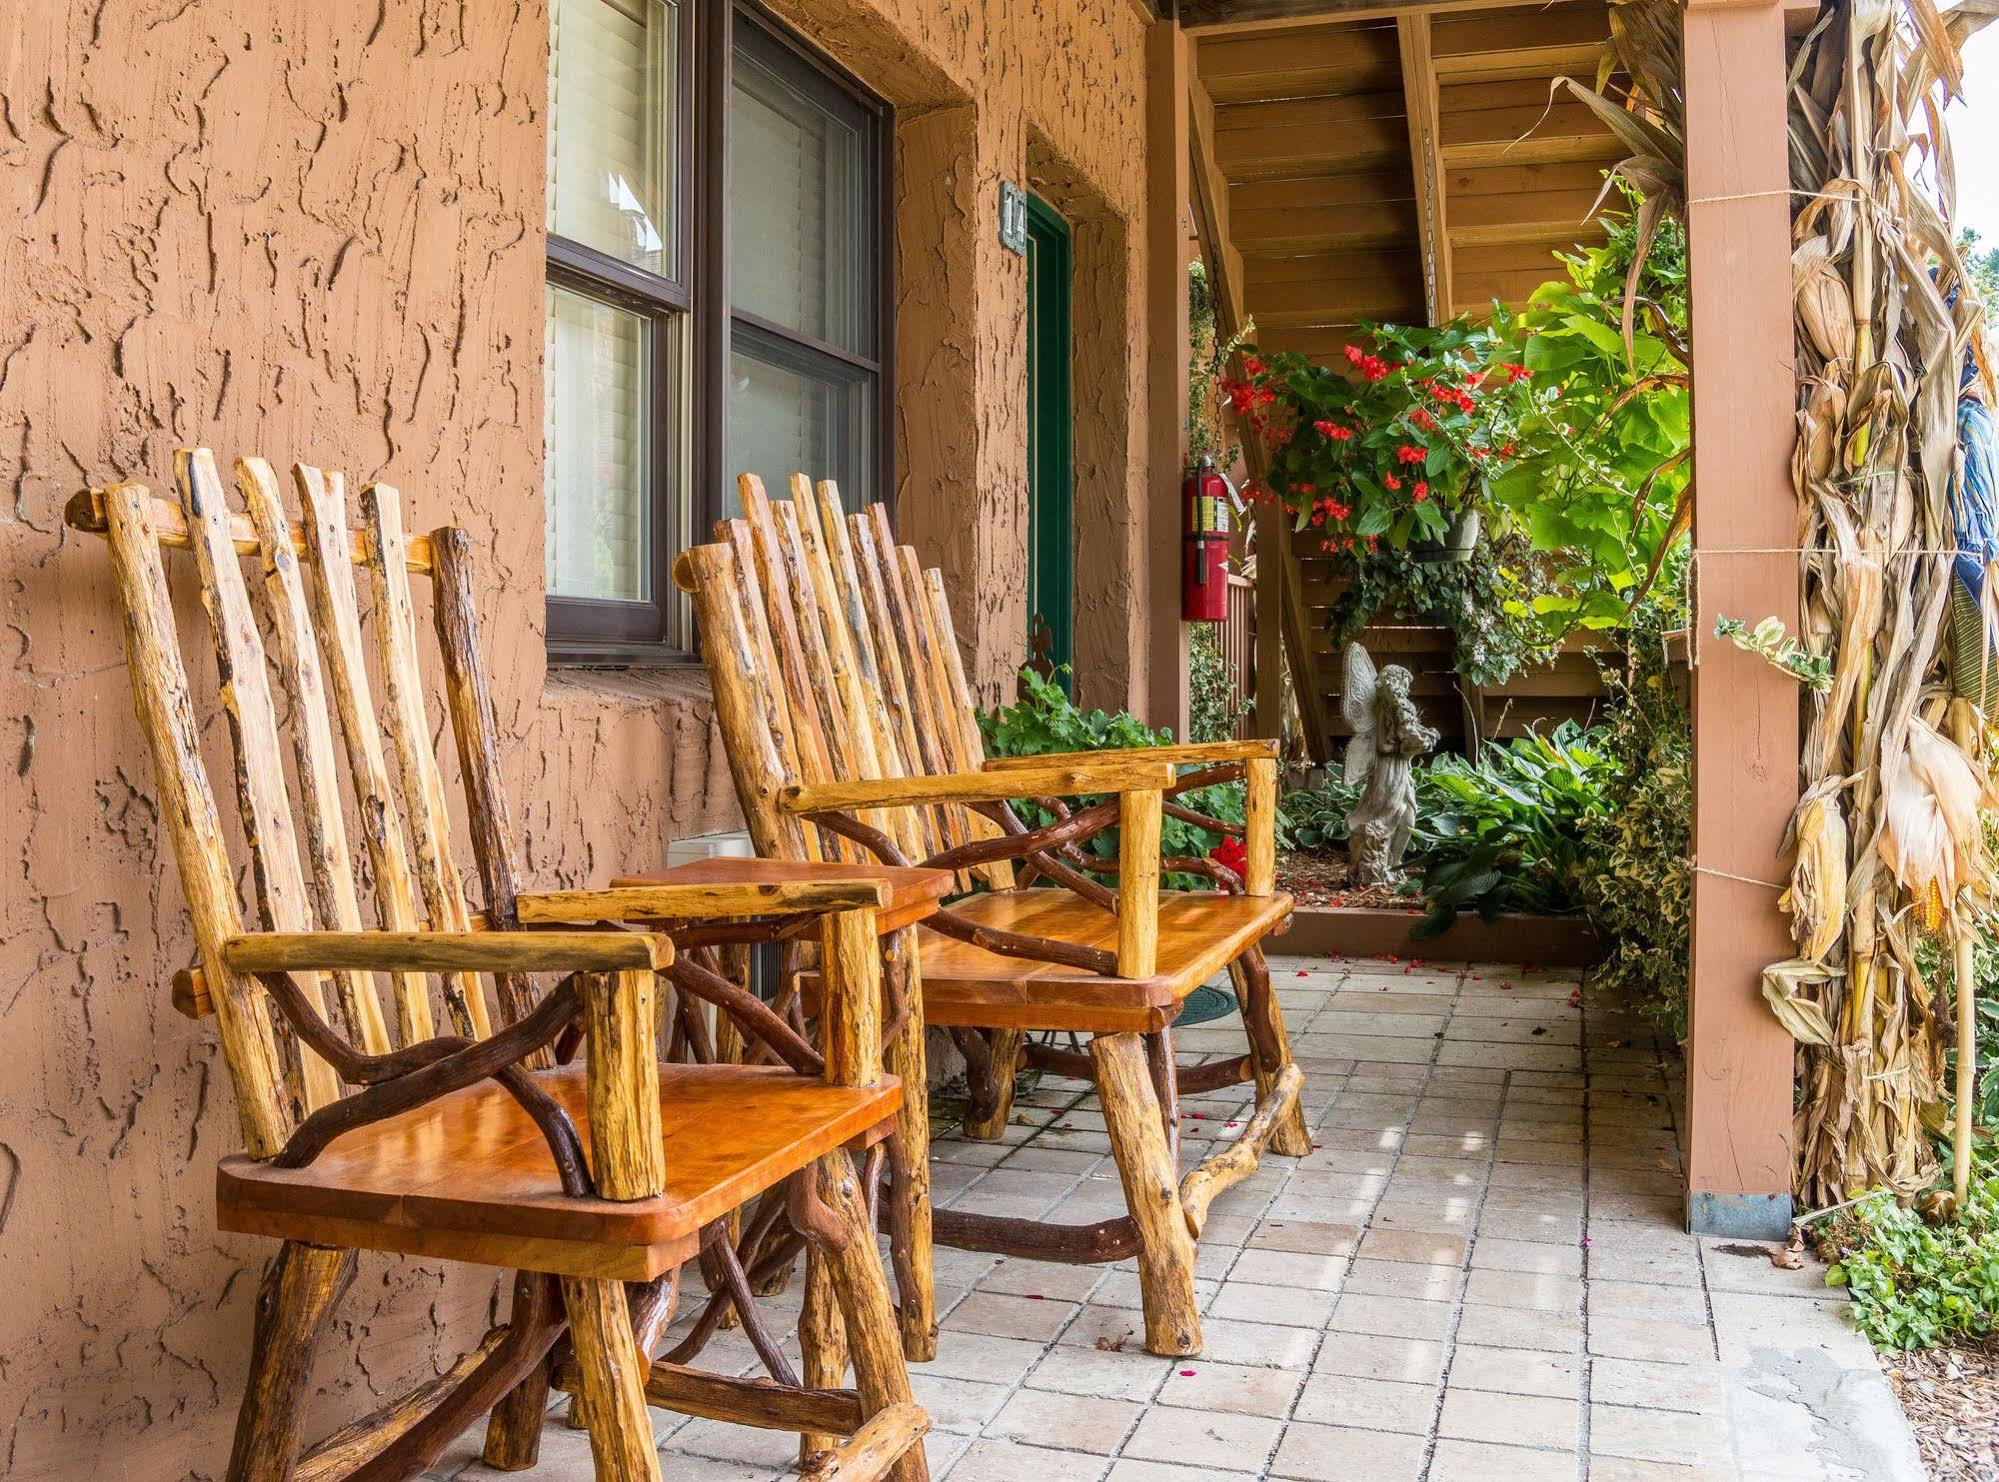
x=313 y=229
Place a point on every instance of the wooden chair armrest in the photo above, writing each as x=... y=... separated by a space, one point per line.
x=447 y=951
x=1137 y=772
x=1259 y=759
x=701 y=902
x=1193 y=751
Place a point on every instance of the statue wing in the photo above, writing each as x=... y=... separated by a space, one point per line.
x=1357 y=688
x=1357 y=694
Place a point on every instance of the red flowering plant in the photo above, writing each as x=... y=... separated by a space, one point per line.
x=1394 y=439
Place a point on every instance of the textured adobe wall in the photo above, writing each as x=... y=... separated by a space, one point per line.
x=312 y=228
x=1051 y=95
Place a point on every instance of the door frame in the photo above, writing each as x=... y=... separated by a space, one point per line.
x=1051 y=471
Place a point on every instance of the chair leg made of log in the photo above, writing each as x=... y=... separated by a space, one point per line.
x=513 y=1431
x=853 y=1263
x=992 y=1083
x=1269 y=1047
x=908 y=1214
x=1152 y=1192
x=611 y=1379
x=822 y=1343
x=300 y=1289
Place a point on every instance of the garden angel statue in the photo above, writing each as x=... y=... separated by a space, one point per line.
x=1388 y=736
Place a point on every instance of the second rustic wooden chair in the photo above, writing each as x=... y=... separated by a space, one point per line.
x=851 y=736
x=368 y=1129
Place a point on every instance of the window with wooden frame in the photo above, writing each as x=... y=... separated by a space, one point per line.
x=717 y=303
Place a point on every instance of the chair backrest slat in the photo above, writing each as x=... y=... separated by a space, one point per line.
x=998 y=874
x=799 y=742
x=919 y=752
x=756 y=538
x=263 y=797
x=416 y=758
x=296 y=821
x=824 y=524
x=469 y=698
x=938 y=756
x=755 y=732
x=862 y=677
x=187 y=804
x=323 y=499
x=324 y=827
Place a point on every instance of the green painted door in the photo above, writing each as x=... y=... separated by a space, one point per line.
x=1051 y=546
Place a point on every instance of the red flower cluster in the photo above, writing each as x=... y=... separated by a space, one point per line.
x=1407 y=454
x=1515 y=374
x=1328 y=509
x=1248 y=399
x=1452 y=396
x=1327 y=428
x=1420 y=493
x=1371 y=366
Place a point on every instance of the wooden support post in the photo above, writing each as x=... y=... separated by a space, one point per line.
x=850 y=1023
x=855 y=1269
x=611 y=1377
x=911 y=1249
x=1426 y=160
x=1138 y=884
x=1745 y=712
x=1168 y=245
x=627 y=1157
x=822 y=1344
x=513 y=1432
x=985 y=1120
x=1151 y=1191
x=300 y=1289
x=1269 y=1047
x=1260 y=828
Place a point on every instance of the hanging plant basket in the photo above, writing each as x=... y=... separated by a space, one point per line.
x=1457 y=545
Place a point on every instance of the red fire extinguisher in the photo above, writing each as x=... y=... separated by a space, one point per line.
x=1206 y=497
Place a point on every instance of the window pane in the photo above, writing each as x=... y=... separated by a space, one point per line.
x=599 y=520
x=794 y=412
x=801 y=250
x=611 y=157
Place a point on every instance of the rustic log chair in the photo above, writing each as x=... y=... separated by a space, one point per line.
x=852 y=736
x=471 y=1145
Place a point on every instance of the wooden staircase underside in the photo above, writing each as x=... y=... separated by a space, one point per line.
x=1384 y=161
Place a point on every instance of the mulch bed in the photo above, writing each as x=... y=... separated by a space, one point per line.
x=1951 y=1396
x=1316 y=879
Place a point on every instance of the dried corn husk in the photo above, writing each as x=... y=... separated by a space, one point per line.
x=1784 y=985
x=1817 y=895
x=1879 y=349
x=1825 y=308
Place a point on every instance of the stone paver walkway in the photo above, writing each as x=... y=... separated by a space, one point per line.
x=1478 y=1273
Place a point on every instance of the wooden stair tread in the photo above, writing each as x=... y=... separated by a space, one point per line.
x=1200 y=933
x=470 y=1177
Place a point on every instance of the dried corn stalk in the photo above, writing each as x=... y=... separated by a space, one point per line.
x=1887 y=830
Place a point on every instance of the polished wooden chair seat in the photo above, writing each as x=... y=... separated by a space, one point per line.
x=470 y=1177
x=1200 y=933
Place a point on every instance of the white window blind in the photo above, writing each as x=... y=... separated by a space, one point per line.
x=611 y=154
x=599 y=516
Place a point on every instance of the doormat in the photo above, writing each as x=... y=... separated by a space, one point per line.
x=1204 y=1005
